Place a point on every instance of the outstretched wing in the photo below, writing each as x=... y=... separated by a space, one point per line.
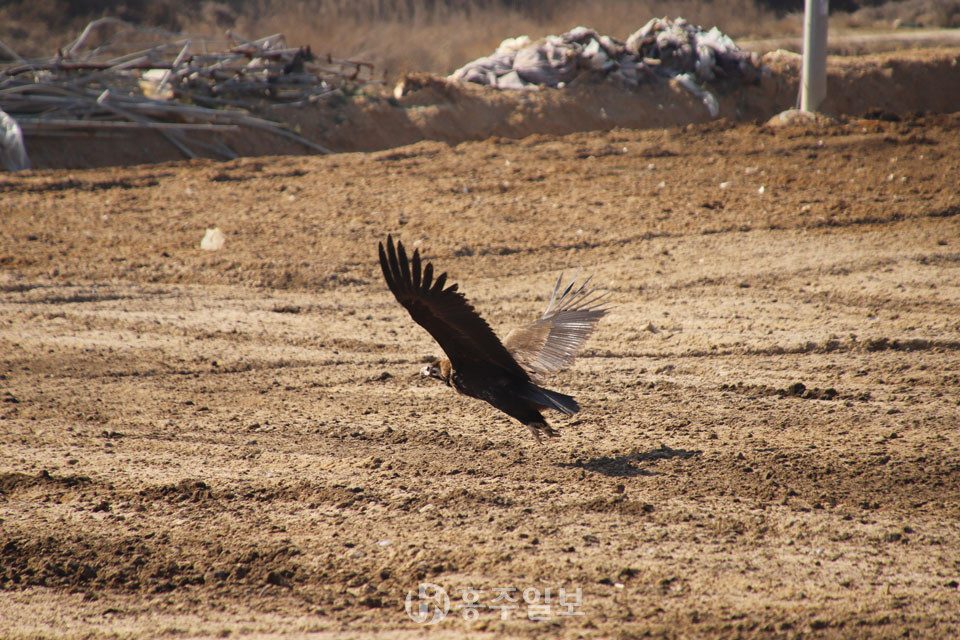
x=445 y=313
x=551 y=342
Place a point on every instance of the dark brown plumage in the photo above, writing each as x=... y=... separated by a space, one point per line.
x=478 y=364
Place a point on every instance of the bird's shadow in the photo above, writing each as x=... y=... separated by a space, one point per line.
x=625 y=466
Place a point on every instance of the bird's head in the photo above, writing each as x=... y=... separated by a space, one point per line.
x=439 y=369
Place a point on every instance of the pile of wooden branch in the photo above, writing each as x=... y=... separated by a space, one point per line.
x=139 y=78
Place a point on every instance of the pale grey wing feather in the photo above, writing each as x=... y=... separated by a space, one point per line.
x=551 y=342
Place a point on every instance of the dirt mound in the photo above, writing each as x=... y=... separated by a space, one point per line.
x=435 y=109
x=15 y=483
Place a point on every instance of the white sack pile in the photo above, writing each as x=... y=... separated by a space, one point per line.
x=662 y=47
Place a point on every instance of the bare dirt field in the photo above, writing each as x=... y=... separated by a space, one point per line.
x=235 y=443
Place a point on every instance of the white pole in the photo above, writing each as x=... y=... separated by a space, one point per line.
x=813 y=88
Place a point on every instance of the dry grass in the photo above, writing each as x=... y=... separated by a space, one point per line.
x=431 y=35
x=442 y=39
x=396 y=36
x=908 y=13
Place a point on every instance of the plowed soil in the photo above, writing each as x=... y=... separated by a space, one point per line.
x=236 y=443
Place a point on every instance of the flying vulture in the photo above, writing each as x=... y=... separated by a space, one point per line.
x=504 y=374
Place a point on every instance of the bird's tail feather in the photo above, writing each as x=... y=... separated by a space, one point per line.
x=551 y=399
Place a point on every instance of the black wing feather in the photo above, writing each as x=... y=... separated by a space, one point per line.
x=445 y=313
x=416 y=269
x=404 y=264
x=427 y=275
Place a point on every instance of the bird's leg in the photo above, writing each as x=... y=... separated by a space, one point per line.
x=535 y=430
